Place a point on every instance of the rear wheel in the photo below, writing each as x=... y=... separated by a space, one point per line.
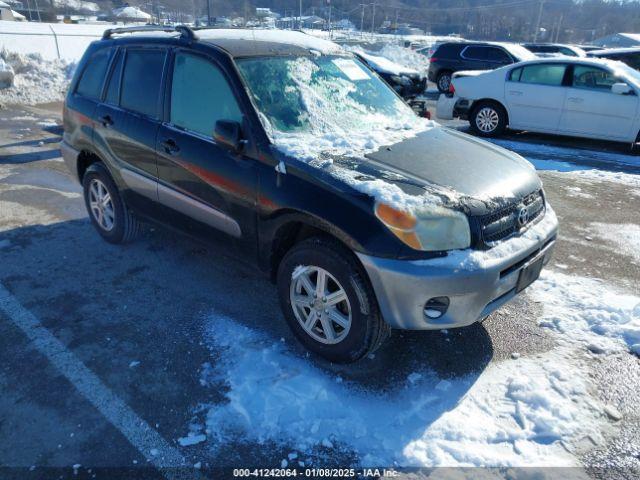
x=107 y=211
x=328 y=302
x=443 y=81
x=488 y=119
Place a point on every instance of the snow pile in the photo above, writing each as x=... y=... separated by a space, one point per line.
x=586 y=311
x=516 y=413
x=624 y=238
x=36 y=80
x=6 y=74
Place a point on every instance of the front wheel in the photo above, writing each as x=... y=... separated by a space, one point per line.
x=443 y=82
x=488 y=119
x=328 y=302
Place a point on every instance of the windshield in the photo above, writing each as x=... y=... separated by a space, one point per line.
x=626 y=70
x=322 y=95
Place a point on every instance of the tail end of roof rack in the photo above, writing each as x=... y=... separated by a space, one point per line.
x=184 y=31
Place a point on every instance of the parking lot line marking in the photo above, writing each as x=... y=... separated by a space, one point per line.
x=148 y=441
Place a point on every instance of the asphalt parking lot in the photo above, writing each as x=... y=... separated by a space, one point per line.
x=103 y=349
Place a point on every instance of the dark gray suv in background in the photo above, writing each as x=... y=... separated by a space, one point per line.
x=456 y=56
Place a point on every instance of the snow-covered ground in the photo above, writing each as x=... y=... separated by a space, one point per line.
x=35 y=80
x=529 y=411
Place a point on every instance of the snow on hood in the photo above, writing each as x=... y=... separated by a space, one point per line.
x=332 y=134
x=384 y=65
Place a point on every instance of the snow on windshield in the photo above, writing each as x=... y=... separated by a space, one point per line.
x=316 y=107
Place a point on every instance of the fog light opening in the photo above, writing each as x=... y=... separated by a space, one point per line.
x=436 y=307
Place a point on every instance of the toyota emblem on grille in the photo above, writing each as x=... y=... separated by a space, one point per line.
x=523 y=216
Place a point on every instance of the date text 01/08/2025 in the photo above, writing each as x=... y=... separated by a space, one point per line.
x=316 y=472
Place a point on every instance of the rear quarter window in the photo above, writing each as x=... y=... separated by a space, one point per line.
x=90 y=83
x=141 y=81
x=447 y=50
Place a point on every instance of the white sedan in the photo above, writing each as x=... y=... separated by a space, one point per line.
x=578 y=97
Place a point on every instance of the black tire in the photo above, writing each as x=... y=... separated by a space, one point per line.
x=367 y=331
x=125 y=226
x=443 y=81
x=481 y=118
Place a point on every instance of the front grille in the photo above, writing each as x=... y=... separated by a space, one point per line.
x=511 y=219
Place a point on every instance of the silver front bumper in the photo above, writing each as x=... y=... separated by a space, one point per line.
x=403 y=287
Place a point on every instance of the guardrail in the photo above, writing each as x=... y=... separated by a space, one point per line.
x=51 y=40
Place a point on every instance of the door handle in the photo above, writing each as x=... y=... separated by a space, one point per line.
x=515 y=93
x=106 y=120
x=576 y=99
x=170 y=146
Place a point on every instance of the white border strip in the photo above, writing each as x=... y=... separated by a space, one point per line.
x=119 y=414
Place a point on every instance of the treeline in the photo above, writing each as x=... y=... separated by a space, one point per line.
x=561 y=20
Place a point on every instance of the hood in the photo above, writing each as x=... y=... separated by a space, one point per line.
x=478 y=172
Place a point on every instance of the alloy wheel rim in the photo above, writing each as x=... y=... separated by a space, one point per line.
x=320 y=304
x=444 y=82
x=487 y=120
x=101 y=205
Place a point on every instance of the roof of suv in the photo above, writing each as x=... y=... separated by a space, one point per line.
x=250 y=43
x=518 y=51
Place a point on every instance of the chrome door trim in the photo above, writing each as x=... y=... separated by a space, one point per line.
x=180 y=202
x=198 y=210
x=141 y=184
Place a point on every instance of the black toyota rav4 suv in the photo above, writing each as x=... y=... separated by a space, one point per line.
x=291 y=151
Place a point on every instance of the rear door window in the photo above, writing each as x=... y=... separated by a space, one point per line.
x=543 y=74
x=141 y=81
x=200 y=95
x=92 y=79
x=475 y=53
x=498 y=55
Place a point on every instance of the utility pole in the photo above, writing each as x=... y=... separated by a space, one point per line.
x=300 y=17
x=362 y=19
x=329 y=2
x=208 y=13
x=535 y=34
x=373 y=16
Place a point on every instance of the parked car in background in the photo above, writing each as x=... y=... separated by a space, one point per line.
x=211 y=132
x=452 y=57
x=551 y=49
x=578 y=97
x=589 y=48
x=630 y=56
x=408 y=82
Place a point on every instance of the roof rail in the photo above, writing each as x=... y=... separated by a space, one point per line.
x=185 y=32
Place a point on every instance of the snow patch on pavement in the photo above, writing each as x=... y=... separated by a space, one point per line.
x=35 y=80
x=586 y=311
x=526 y=411
x=624 y=238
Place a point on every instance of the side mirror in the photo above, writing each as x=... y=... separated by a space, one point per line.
x=229 y=134
x=621 y=88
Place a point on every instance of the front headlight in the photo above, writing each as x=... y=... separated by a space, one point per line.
x=435 y=229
